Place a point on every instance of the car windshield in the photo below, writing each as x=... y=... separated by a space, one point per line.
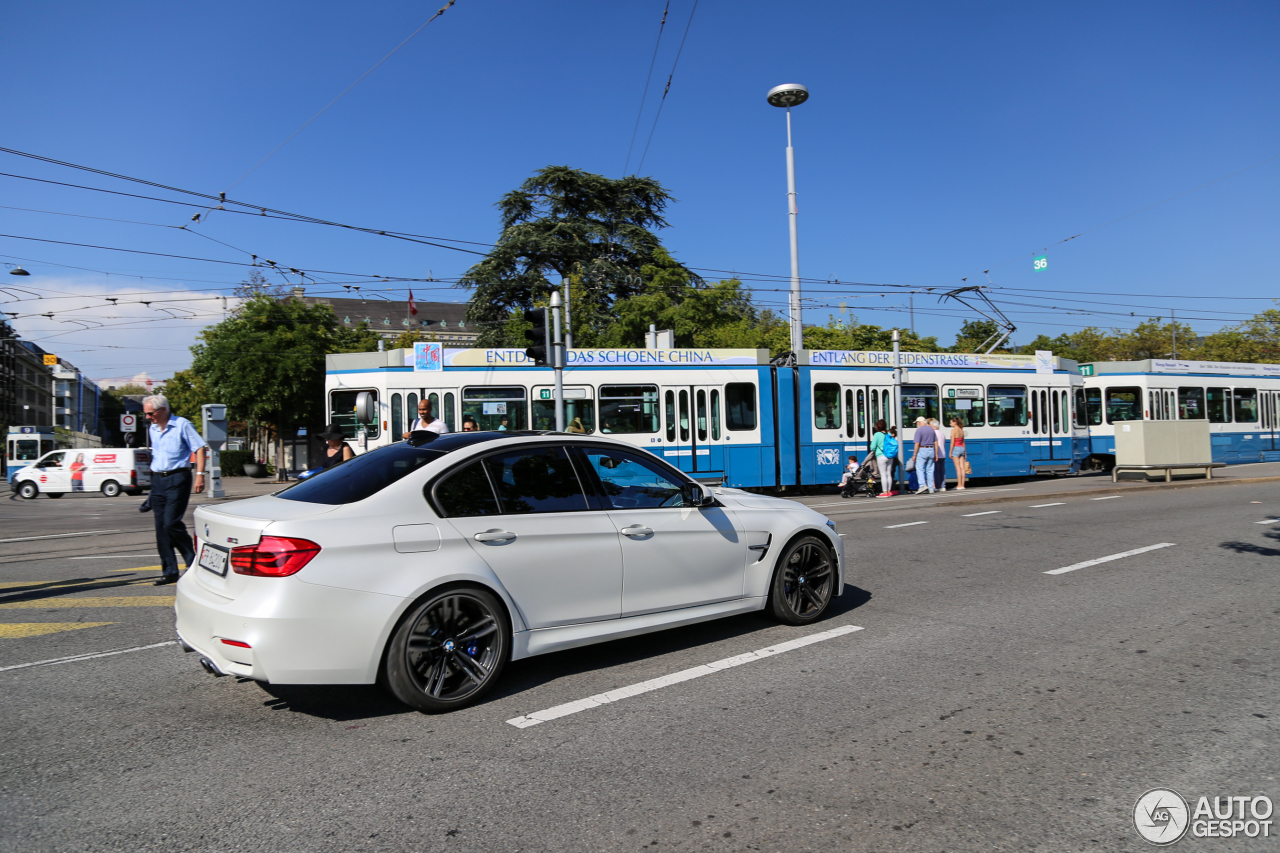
x=370 y=473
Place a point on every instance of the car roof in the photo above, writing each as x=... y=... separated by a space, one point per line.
x=458 y=440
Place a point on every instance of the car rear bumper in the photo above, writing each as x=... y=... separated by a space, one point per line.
x=296 y=632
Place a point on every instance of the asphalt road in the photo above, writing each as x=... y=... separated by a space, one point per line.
x=984 y=705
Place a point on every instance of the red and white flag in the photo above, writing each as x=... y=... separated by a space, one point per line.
x=413 y=309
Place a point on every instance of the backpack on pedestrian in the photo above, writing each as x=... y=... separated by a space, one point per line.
x=890 y=446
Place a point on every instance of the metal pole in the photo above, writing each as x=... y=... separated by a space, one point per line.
x=797 y=328
x=911 y=302
x=557 y=359
x=568 y=326
x=897 y=407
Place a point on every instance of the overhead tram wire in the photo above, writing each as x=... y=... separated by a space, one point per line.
x=222 y=201
x=438 y=13
x=670 y=76
x=640 y=112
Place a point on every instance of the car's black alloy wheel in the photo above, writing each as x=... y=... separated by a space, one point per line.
x=804 y=581
x=449 y=651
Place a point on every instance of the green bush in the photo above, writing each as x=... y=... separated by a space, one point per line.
x=232 y=462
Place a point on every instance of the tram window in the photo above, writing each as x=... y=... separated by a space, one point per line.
x=1082 y=410
x=1057 y=408
x=579 y=410
x=342 y=411
x=919 y=401
x=1190 y=404
x=1151 y=405
x=862 y=413
x=631 y=409
x=433 y=401
x=496 y=407
x=1007 y=406
x=740 y=406
x=826 y=406
x=965 y=404
x=671 y=416
x=1246 y=408
x=1124 y=404
x=28 y=449
x=848 y=410
x=411 y=406
x=1093 y=405
x=715 y=414
x=397 y=416
x=449 y=406
x=684 y=415
x=1066 y=411
x=875 y=406
x=1217 y=405
x=700 y=398
x=1035 y=420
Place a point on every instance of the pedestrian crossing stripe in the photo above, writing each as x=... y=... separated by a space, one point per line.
x=117 y=601
x=18 y=630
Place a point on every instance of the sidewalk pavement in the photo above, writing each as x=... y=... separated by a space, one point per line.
x=1040 y=488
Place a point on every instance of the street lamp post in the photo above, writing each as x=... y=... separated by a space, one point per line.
x=789 y=95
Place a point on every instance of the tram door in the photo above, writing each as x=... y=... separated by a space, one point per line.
x=403 y=408
x=1270 y=417
x=863 y=406
x=1049 y=416
x=694 y=429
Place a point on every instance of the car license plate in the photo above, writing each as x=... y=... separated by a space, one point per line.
x=214 y=559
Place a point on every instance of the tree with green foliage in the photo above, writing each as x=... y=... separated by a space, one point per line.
x=186 y=393
x=266 y=361
x=1257 y=340
x=975 y=333
x=564 y=222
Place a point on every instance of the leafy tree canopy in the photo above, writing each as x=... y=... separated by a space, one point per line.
x=186 y=393
x=565 y=222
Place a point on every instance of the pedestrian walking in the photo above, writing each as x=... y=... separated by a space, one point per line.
x=426 y=420
x=174 y=442
x=925 y=441
x=958 y=453
x=939 y=457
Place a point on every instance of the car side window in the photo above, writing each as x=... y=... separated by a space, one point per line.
x=632 y=482
x=540 y=479
x=466 y=493
x=53 y=460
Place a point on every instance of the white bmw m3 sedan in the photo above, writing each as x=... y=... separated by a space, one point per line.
x=428 y=564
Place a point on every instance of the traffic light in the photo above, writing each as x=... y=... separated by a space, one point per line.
x=537 y=336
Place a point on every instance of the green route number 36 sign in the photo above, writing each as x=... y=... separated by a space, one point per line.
x=1042 y=262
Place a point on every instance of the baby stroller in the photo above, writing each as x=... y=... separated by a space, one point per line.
x=865 y=481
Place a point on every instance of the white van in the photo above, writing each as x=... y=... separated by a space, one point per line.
x=110 y=470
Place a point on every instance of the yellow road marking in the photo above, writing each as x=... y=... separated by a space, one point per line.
x=17 y=630
x=145 y=569
x=121 y=601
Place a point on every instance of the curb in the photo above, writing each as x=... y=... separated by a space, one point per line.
x=1137 y=487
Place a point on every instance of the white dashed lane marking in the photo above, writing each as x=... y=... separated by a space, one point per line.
x=1087 y=563
x=908 y=524
x=675 y=678
x=1268 y=521
x=1107 y=498
x=90 y=656
x=59 y=535
x=1040 y=506
x=988 y=512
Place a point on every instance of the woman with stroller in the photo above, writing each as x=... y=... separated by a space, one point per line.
x=883 y=459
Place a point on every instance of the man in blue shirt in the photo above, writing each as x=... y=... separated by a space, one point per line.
x=173 y=440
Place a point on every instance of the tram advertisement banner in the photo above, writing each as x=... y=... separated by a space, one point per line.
x=1168 y=366
x=601 y=357
x=978 y=361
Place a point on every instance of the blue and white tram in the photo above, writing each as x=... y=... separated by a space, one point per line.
x=1241 y=402
x=712 y=413
x=1018 y=412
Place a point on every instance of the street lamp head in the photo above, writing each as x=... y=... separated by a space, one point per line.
x=788 y=95
x=18 y=271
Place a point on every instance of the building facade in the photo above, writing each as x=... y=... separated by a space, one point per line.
x=437 y=321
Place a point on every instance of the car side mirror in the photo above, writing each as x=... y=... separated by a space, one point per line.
x=695 y=494
x=365 y=408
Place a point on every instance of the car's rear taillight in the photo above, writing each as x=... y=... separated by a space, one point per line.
x=273 y=557
x=133 y=478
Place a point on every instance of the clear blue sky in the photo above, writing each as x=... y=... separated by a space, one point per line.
x=940 y=139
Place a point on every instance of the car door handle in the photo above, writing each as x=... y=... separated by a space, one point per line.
x=495 y=536
x=637 y=530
